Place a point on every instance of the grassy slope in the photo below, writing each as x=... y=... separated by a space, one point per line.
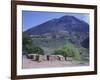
x=50 y=45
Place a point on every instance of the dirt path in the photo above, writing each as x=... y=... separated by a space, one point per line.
x=28 y=63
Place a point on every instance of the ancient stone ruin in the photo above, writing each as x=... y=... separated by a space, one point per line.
x=37 y=57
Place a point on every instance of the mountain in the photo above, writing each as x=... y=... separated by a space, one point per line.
x=85 y=43
x=62 y=24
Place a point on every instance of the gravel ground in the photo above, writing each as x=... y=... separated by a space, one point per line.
x=28 y=63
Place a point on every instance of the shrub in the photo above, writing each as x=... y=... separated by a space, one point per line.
x=60 y=52
x=29 y=47
x=72 y=51
x=34 y=50
x=26 y=42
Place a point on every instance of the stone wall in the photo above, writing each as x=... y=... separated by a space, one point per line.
x=36 y=57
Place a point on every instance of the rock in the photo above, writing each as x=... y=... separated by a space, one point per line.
x=37 y=57
x=53 y=57
x=69 y=58
x=33 y=56
x=29 y=56
x=42 y=57
x=48 y=57
x=61 y=58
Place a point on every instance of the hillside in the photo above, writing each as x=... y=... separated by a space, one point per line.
x=62 y=24
x=56 y=33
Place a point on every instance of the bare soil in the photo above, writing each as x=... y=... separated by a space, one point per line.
x=28 y=63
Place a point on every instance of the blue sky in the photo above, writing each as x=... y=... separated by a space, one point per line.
x=32 y=18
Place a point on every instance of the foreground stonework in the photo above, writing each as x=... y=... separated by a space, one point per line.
x=31 y=63
x=36 y=57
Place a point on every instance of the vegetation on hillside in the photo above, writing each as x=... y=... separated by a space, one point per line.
x=56 y=46
x=29 y=47
x=72 y=51
x=69 y=50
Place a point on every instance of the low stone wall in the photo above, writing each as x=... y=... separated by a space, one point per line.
x=36 y=57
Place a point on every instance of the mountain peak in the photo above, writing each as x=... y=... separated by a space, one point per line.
x=67 y=16
x=64 y=23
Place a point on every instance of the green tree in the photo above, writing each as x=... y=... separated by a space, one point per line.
x=72 y=51
x=34 y=50
x=29 y=47
x=60 y=52
x=26 y=41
